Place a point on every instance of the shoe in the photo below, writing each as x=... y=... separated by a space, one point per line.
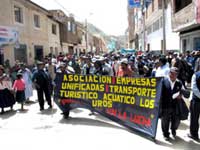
x=2 y=111
x=174 y=133
x=50 y=107
x=65 y=115
x=196 y=138
x=166 y=138
x=92 y=113
x=41 y=109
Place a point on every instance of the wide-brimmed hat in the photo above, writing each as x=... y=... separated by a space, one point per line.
x=94 y=60
x=174 y=69
x=124 y=61
x=39 y=63
x=62 y=64
x=19 y=74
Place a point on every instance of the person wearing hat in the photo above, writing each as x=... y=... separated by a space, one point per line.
x=163 y=69
x=19 y=88
x=88 y=67
x=106 y=67
x=115 y=64
x=27 y=76
x=98 y=70
x=171 y=94
x=6 y=96
x=14 y=70
x=62 y=69
x=42 y=83
x=124 y=69
x=155 y=67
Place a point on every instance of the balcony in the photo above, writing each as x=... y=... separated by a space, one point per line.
x=184 y=19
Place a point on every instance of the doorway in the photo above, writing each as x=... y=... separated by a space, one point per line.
x=21 y=53
x=39 y=54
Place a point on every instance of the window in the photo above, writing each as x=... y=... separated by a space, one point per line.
x=74 y=28
x=21 y=53
x=146 y=14
x=184 y=45
x=159 y=4
x=156 y=25
x=37 y=21
x=180 y=4
x=51 y=50
x=161 y=22
x=149 y=30
x=152 y=5
x=18 y=14
x=53 y=29
x=69 y=26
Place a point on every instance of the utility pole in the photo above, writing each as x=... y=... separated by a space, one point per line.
x=86 y=35
x=143 y=3
x=164 y=30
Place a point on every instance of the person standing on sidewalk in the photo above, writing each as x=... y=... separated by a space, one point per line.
x=195 y=107
x=41 y=81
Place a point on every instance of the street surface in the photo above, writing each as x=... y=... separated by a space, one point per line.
x=35 y=130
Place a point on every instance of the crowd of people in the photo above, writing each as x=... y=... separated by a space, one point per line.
x=178 y=70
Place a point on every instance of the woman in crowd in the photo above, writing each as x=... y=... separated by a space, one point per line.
x=6 y=95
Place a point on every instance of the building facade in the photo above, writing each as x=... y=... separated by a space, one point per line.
x=69 y=37
x=154 y=27
x=148 y=28
x=33 y=25
x=53 y=36
x=186 y=21
x=131 y=27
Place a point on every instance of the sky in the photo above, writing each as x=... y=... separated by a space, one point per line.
x=108 y=15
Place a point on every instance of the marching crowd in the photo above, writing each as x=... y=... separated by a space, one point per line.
x=179 y=71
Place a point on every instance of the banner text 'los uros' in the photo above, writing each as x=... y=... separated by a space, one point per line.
x=131 y=102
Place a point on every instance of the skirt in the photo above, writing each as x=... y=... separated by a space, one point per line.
x=20 y=96
x=6 y=98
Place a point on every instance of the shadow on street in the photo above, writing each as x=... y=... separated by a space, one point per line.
x=48 y=111
x=180 y=143
x=8 y=114
x=183 y=126
x=89 y=122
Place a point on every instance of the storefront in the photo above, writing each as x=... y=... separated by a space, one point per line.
x=190 y=39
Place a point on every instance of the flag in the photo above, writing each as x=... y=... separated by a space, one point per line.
x=134 y=3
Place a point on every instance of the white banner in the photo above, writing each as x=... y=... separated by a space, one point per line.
x=8 y=35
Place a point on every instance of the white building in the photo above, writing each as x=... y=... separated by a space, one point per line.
x=154 y=30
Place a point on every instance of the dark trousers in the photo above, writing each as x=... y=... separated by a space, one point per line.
x=169 y=116
x=194 y=117
x=41 y=97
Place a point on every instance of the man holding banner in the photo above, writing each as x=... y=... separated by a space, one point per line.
x=170 y=96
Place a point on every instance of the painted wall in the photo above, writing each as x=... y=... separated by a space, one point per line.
x=172 y=38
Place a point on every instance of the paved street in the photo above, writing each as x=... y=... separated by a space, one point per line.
x=32 y=129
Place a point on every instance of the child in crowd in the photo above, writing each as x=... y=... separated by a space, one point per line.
x=19 y=87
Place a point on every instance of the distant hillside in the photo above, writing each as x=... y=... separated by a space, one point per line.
x=117 y=42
